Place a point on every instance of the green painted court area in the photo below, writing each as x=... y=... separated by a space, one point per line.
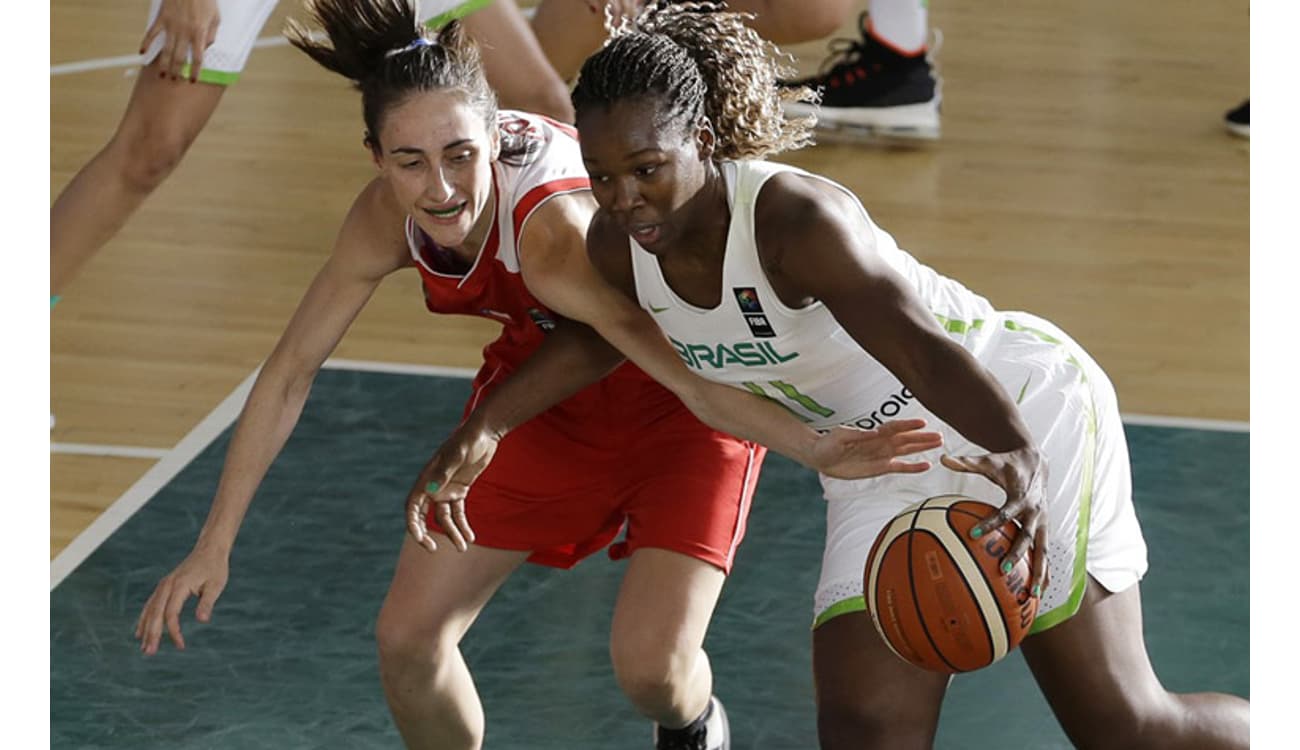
x=289 y=658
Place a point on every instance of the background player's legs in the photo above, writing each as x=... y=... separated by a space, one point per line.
x=784 y=22
x=515 y=64
x=162 y=119
x=657 y=636
x=570 y=32
x=431 y=603
x=866 y=695
x=1094 y=671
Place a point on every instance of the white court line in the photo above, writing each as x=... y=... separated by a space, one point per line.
x=1213 y=425
x=148 y=485
x=134 y=61
x=227 y=411
x=188 y=448
x=118 y=451
x=399 y=368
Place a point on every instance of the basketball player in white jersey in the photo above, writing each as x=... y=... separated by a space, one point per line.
x=777 y=282
x=490 y=208
x=194 y=50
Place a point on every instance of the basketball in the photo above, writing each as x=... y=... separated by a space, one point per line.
x=938 y=597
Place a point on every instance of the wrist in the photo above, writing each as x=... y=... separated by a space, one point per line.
x=806 y=447
x=213 y=543
x=484 y=423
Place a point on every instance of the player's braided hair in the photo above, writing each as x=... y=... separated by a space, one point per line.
x=705 y=62
x=381 y=46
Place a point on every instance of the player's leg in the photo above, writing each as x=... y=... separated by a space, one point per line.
x=866 y=695
x=1095 y=672
x=691 y=490
x=515 y=64
x=162 y=119
x=431 y=603
x=883 y=82
x=1086 y=648
x=784 y=22
x=657 y=635
x=569 y=31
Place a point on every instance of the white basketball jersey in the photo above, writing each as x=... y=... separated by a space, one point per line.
x=801 y=358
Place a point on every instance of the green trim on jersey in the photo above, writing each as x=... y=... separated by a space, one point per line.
x=959 y=326
x=842 y=607
x=757 y=390
x=208 y=75
x=460 y=11
x=54 y=300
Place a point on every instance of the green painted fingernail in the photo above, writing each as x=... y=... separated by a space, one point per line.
x=431 y=487
x=1006 y=567
x=976 y=533
x=1038 y=590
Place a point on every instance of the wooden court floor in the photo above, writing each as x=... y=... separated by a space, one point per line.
x=1083 y=175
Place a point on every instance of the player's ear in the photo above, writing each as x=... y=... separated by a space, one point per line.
x=705 y=139
x=372 y=145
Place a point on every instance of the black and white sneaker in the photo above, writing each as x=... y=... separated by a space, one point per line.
x=1237 y=121
x=709 y=732
x=870 y=90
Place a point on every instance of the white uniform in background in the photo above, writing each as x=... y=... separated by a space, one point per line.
x=242 y=21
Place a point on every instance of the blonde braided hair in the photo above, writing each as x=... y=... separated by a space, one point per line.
x=707 y=63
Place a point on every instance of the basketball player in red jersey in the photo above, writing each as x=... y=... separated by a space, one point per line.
x=491 y=209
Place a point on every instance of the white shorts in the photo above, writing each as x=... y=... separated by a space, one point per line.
x=1070 y=407
x=242 y=21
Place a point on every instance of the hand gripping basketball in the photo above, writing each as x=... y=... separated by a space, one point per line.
x=1022 y=475
x=941 y=599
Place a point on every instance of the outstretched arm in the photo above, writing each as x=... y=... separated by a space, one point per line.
x=340 y=290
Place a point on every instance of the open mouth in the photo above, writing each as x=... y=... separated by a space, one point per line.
x=645 y=234
x=447 y=214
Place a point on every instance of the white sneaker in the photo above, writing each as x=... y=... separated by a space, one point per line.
x=709 y=732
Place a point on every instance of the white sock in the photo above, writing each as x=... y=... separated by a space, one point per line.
x=903 y=25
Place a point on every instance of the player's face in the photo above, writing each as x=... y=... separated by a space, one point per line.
x=436 y=152
x=644 y=169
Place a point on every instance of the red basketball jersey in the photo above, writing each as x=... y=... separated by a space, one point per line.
x=541 y=160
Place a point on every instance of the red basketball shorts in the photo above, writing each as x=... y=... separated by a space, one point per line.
x=624 y=452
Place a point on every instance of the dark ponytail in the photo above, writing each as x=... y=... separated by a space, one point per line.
x=381 y=46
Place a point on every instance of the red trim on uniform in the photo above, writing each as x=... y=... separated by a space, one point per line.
x=533 y=198
x=747 y=488
x=478 y=392
x=563 y=127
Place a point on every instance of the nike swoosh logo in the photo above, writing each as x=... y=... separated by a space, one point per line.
x=654 y=309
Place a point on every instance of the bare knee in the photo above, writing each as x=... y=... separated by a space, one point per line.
x=147 y=153
x=1130 y=723
x=409 y=651
x=654 y=677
